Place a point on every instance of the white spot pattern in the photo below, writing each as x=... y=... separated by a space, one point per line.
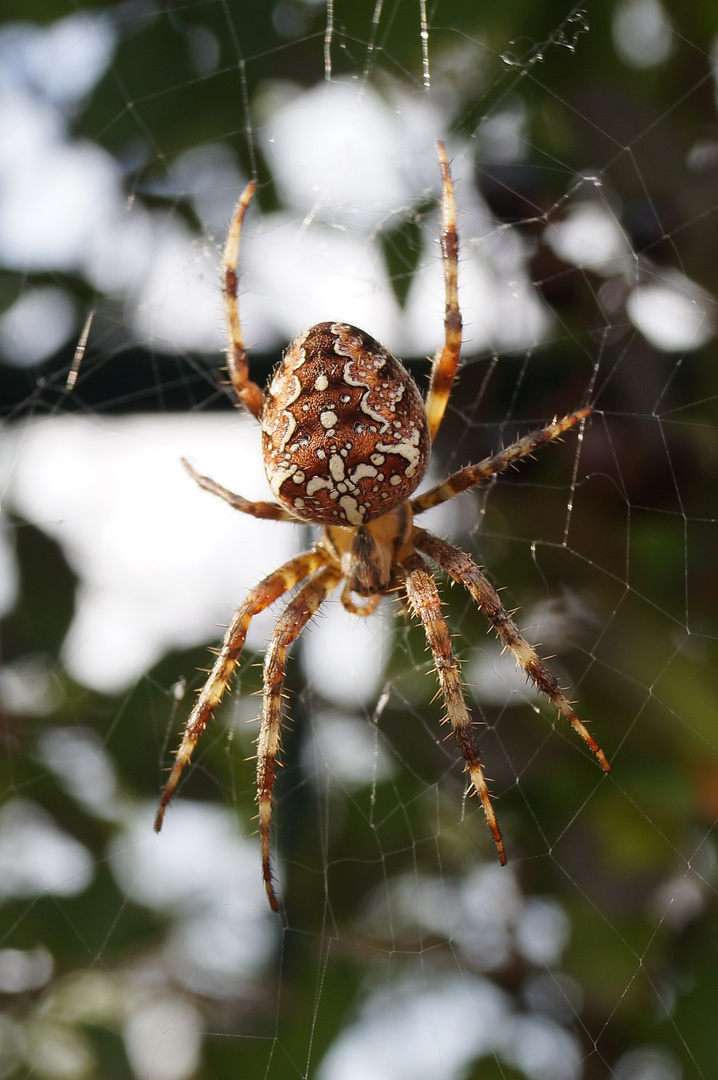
x=339 y=408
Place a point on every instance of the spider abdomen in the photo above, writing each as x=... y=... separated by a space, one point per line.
x=344 y=430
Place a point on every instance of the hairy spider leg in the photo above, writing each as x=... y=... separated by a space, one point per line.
x=273 y=511
x=462 y=569
x=445 y=362
x=496 y=463
x=262 y=596
x=300 y=609
x=248 y=392
x=424 y=601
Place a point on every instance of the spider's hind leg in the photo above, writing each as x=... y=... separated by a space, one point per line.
x=248 y=393
x=443 y=368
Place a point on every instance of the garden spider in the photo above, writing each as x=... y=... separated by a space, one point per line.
x=346 y=441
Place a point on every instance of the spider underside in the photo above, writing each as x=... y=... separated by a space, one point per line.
x=346 y=441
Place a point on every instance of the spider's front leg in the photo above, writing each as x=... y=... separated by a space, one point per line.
x=262 y=596
x=289 y=626
x=424 y=601
x=464 y=570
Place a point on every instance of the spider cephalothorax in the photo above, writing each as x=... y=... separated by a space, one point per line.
x=346 y=440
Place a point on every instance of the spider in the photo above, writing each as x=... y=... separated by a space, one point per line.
x=346 y=440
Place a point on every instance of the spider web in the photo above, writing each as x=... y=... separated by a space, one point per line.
x=583 y=150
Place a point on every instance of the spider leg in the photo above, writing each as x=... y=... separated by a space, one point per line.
x=247 y=391
x=424 y=601
x=257 y=509
x=445 y=362
x=496 y=463
x=460 y=567
x=262 y=596
x=289 y=626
